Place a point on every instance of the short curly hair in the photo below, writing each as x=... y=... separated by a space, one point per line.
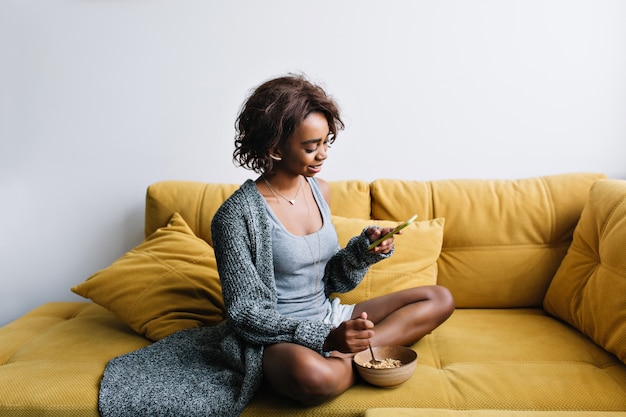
x=272 y=113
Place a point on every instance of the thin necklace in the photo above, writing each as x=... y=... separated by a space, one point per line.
x=291 y=201
x=319 y=257
x=319 y=249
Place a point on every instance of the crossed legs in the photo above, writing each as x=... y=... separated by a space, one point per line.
x=400 y=318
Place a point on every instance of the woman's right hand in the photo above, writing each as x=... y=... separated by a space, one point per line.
x=352 y=336
x=373 y=233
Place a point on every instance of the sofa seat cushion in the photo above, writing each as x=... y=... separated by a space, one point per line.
x=52 y=359
x=511 y=359
x=433 y=412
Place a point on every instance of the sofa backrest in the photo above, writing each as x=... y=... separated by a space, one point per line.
x=503 y=239
x=197 y=203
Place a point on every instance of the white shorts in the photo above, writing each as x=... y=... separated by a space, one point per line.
x=338 y=313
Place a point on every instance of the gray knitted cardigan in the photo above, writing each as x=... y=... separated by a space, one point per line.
x=215 y=371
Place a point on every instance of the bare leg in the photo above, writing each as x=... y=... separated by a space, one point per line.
x=304 y=375
x=404 y=317
x=401 y=318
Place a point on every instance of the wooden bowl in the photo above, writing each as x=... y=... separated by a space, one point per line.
x=387 y=377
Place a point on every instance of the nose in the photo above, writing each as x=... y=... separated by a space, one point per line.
x=322 y=154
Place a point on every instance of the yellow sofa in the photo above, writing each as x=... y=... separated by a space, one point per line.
x=537 y=267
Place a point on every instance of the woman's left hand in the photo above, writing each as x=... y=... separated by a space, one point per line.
x=373 y=233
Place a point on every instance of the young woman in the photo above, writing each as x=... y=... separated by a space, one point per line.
x=278 y=255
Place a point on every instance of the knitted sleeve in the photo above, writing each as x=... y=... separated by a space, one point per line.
x=242 y=243
x=348 y=267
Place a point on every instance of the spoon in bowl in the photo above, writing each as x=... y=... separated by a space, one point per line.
x=373 y=361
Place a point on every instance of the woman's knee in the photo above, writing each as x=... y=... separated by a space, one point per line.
x=442 y=297
x=305 y=376
x=316 y=381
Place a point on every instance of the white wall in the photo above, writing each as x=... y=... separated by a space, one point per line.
x=98 y=99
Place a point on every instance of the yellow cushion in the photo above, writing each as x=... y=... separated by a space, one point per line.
x=435 y=412
x=514 y=359
x=350 y=198
x=196 y=202
x=414 y=262
x=167 y=283
x=589 y=289
x=504 y=239
x=52 y=359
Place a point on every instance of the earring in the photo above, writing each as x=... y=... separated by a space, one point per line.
x=276 y=158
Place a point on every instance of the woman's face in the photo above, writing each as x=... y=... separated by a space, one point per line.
x=307 y=148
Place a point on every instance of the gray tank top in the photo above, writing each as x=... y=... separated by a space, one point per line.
x=299 y=263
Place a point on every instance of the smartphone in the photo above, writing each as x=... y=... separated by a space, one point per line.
x=393 y=232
